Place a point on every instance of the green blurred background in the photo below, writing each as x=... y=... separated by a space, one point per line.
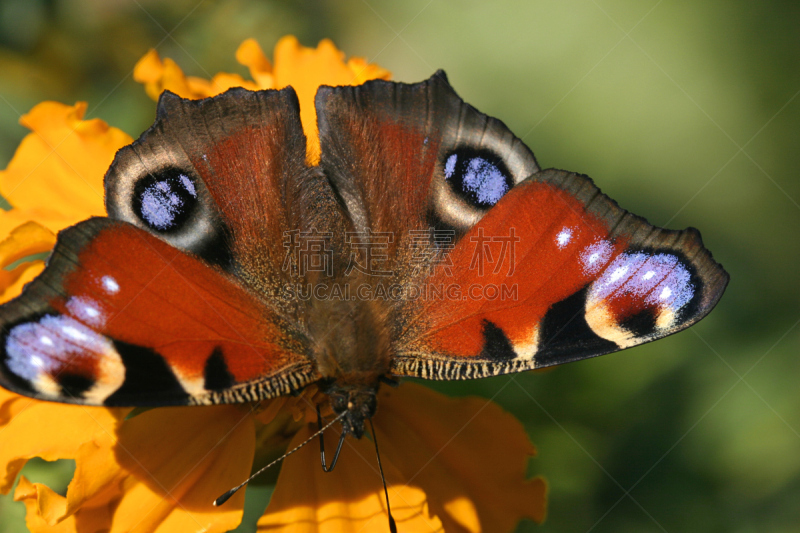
x=685 y=112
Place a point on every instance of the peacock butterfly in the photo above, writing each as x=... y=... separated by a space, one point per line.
x=427 y=242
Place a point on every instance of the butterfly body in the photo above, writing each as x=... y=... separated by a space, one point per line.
x=352 y=351
x=426 y=242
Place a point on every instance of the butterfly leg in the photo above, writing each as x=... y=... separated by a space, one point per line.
x=322 y=446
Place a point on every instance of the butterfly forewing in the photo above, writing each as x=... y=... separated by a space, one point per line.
x=576 y=279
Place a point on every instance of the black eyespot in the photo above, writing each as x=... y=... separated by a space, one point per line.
x=164 y=201
x=478 y=176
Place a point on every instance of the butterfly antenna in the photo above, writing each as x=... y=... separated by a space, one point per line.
x=225 y=497
x=392 y=524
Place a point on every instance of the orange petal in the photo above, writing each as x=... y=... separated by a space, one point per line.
x=224 y=81
x=13 y=281
x=10 y=405
x=149 y=71
x=250 y=55
x=37 y=497
x=364 y=71
x=303 y=68
x=25 y=240
x=48 y=511
x=350 y=498
x=158 y=76
x=306 y=69
x=180 y=460
x=45 y=216
x=173 y=79
x=467 y=454
x=48 y=502
x=98 y=476
x=61 y=164
x=31 y=430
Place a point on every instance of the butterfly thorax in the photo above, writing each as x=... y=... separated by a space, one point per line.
x=352 y=350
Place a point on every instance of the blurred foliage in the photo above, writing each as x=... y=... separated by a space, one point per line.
x=685 y=112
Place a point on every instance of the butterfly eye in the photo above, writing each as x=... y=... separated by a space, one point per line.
x=477 y=176
x=156 y=185
x=165 y=200
x=473 y=177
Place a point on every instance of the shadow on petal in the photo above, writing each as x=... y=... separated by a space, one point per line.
x=180 y=460
x=467 y=454
x=350 y=498
x=451 y=465
x=33 y=425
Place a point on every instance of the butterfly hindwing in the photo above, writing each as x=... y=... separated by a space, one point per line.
x=120 y=317
x=387 y=148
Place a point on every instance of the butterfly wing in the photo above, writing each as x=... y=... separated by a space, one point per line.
x=178 y=298
x=579 y=277
x=520 y=268
x=225 y=178
x=166 y=329
x=384 y=145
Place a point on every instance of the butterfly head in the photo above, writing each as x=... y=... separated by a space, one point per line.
x=357 y=402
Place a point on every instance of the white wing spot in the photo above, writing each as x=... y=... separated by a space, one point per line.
x=110 y=284
x=595 y=256
x=86 y=310
x=563 y=238
x=618 y=273
x=73 y=332
x=450 y=166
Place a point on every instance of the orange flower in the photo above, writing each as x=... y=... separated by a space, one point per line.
x=303 y=68
x=451 y=464
x=54 y=180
